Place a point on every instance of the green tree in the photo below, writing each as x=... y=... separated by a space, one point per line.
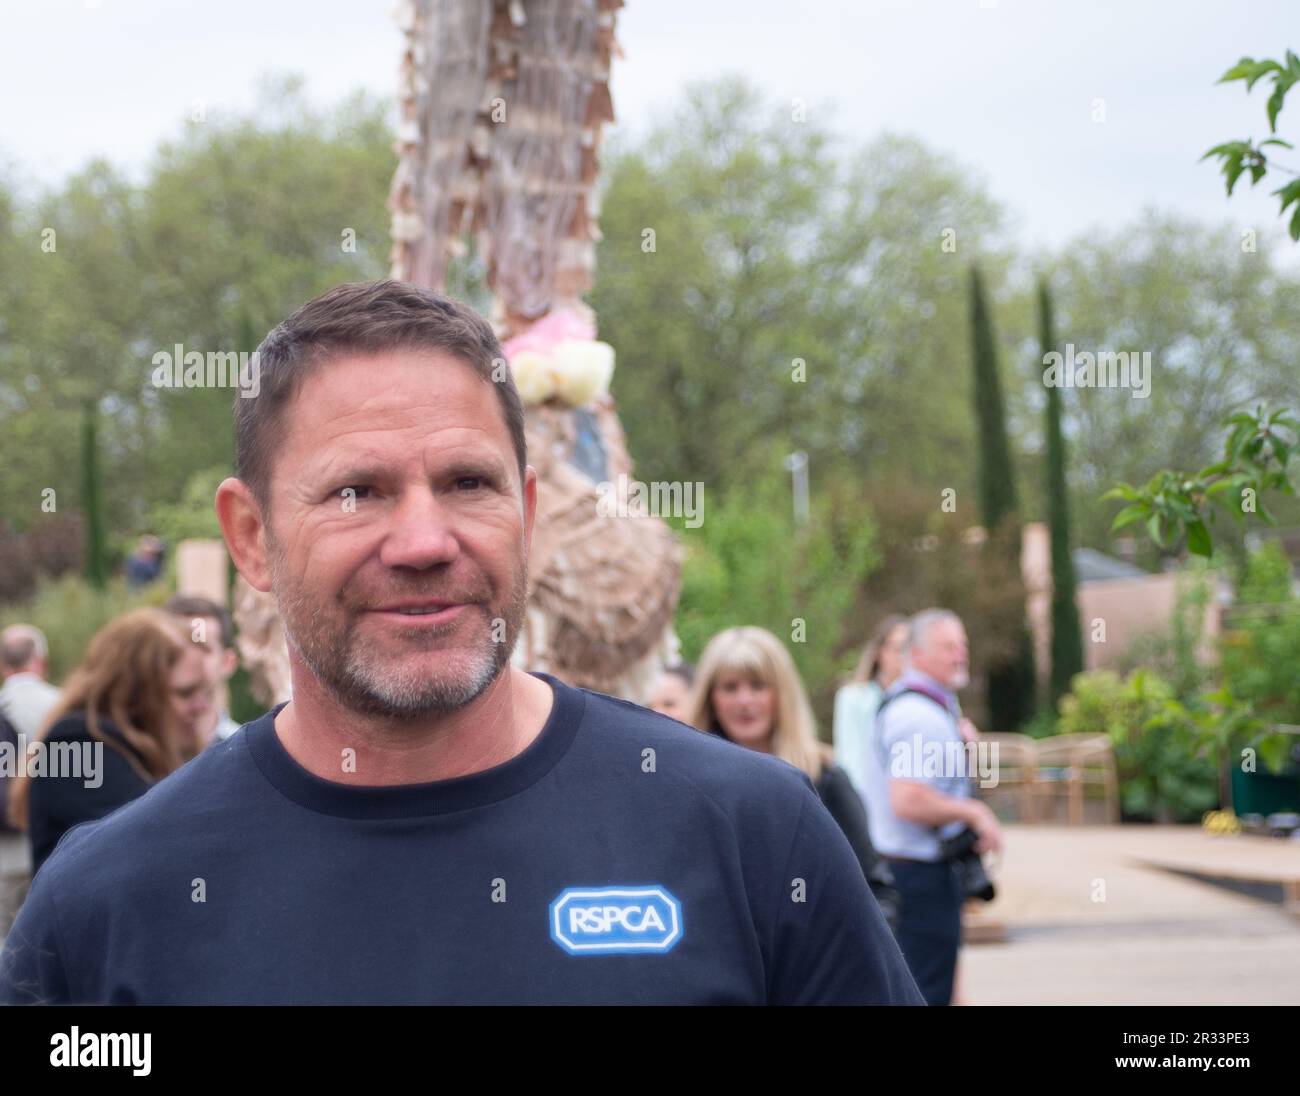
x=1211 y=317
x=242 y=222
x=922 y=564
x=1175 y=505
x=1257 y=455
x=797 y=292
x=750 y=563
x=234 y=224
x=1236 y=157
x=1011 y=682
x=1067 y=636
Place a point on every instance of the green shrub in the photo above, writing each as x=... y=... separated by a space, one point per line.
x=1042 y=724
x=1166 y=765
x=193 y=514
x=1177 y=653
x=1260 y=650
x=69 y=610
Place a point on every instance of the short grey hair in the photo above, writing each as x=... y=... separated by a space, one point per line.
x=363 y=318
x=20 y=644
x=920 y=626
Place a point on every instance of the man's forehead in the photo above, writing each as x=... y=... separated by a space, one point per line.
x=395 y=377
x=942 y=631
x=363 y=408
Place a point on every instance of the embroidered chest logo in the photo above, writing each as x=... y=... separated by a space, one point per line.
x=615 y=920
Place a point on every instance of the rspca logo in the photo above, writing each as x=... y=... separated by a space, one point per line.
x=615 y=920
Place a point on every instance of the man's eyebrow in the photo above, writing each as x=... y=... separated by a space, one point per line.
x=487 y=464
x=346 y=473
x=362 y=470
x=336 y=465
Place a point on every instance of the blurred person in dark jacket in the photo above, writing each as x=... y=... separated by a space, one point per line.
x=748 y=690
x=145 y=564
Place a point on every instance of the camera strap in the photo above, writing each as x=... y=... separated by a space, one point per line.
x=919 y=688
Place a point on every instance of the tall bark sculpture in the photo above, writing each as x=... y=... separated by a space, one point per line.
x=502 y=104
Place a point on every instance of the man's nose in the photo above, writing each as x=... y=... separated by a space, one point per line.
x=419 y=532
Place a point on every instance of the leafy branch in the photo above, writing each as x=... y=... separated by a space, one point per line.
x=1223 y=725
x=1256 y=457
x=1238 y=157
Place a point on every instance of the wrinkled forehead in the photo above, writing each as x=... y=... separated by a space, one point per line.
x=380 y=409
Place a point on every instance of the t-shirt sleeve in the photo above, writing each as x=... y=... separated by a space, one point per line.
x=905 y=731
x=31 y=963
x=832 y=945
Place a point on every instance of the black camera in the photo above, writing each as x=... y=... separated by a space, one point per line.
x=959 y=851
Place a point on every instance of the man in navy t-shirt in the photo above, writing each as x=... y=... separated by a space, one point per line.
x=424 y=822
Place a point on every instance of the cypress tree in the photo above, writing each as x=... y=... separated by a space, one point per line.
x=1067 y=637
x=1011 y=683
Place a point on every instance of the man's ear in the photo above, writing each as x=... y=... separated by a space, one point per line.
x=244 y=531
x=530 y=506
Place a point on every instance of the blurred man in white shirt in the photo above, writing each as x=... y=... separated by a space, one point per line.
x=25 y=697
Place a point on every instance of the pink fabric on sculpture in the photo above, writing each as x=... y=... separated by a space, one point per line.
x=548 y=332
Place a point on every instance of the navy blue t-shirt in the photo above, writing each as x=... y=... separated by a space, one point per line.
x=621 y=858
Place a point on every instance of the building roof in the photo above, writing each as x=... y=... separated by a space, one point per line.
x=1094 y=566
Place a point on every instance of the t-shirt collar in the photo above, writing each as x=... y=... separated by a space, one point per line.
x=414 y=800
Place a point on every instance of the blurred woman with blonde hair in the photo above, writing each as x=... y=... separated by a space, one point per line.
x=141 y=691
x=748 y=691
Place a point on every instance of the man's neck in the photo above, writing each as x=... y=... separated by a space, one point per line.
x=337 y=744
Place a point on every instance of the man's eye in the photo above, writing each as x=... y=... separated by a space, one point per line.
x=470 y=483
x=354 y=492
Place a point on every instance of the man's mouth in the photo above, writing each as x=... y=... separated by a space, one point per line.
x=418 y=610
x=424 y=611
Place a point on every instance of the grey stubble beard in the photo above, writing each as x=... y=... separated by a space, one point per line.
x=358 y=678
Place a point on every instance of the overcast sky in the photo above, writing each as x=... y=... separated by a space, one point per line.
x=1006 y=87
